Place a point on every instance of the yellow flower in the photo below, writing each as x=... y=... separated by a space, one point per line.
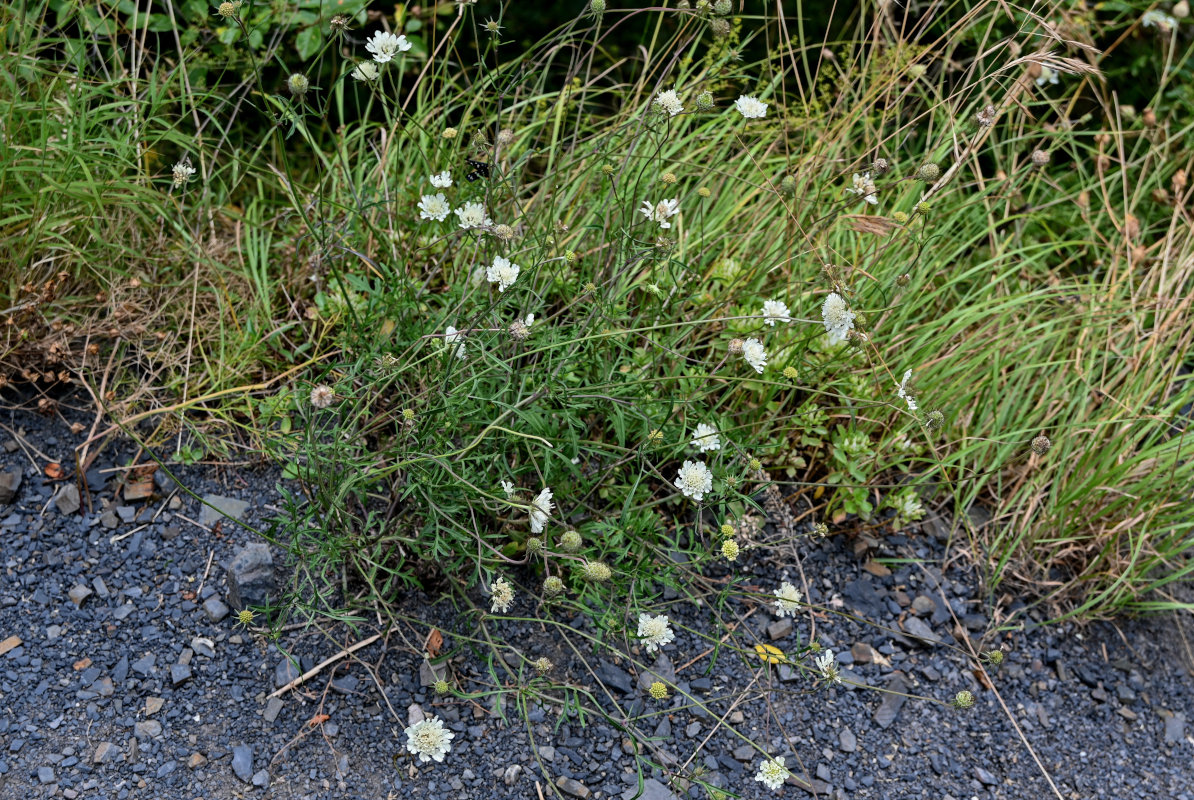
x=658 y=690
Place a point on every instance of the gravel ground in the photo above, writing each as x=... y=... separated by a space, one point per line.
x=123 y=673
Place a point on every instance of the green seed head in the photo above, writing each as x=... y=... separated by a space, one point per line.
x=963 y=699
x=934 y=420
x=704 y=101
x=534 y=545
x=298 y=84
x=787 y=186
x=928 y=172
x=570 y=542
x=442 y=687
x=596 y=571
x=900 y=217
x=553 y=586
x=1041 y=445
x=597 y=7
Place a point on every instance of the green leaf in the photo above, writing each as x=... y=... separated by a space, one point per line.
x=308 y=42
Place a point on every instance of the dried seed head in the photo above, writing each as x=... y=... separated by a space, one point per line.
x=820 y=530
x=986 y=117
x=570 y=542
x=903 y=280
x=736 y=347
x=542 y=665
x=704 y=101
x=963 y=699
x=881 y=166
x=1041 y=445
x=721 y=28
x=928 y=172
x=934 y=420
x=519 y=330
x=503 y=232
x=505 y=136
x=339 y=23
x=596 y=571
x=1040 y=158
x=322 y=396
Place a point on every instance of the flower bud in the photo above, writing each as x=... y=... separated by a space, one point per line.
x=730 y=549
x=1040 y=158
x=963 y=699
x=658 y=690
x=298 y=84
x=450 y=133
x=597 y=7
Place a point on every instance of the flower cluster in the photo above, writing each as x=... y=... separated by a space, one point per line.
x=661 y=212
x=864 y=187
x=772 y=773
x=838 y=318
x=787 y=600
x=655 y=632
x=705 y=437
x=429 y=740
x=384 y=46
x=695 y=480
x=502 y=595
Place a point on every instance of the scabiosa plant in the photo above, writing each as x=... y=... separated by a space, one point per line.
x=501 y=594
x=503 y=272
x=429 y=740
x=661 y=212
x=384 y=46
x=322 y=396
x=904 y=394
x=827 y=666
x=837 y=317
x=181 y=173
x=864 y=188
x=669 y=102
x=772 y=773
x=658 y=690
x=508 y=488
x=434 y=207
x=730 y=549
x=441 y=181
x=366 y=72
x=755 y=355
x=705 y=437
x=655 y=632
x=472 y=215
x=695 y=480
x=541 y=508
x=775 y=311
x=750 y=107
x=455 y=337
x=787 y=600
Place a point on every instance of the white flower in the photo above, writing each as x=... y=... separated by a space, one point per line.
x=384 y=46
x=429 y=740
x=508 y=488
x=182 y=172
x=828 y=667
x=322 y=396
x=529 y=320
x=705 y=437
x=1159 y=20
x=750 y=107
x=502 y=595
x=654 y=631
x=1048 y=75
x=774 y=310
x=787 y=600
x=772 y=773
x=472 y=215
x=434 y=206
x=839 y=319
x=669 y=101
x=541 y=509
x=864 y=188
x=442 y=180
x=366 y=71
x=755 y=355
x=661 y=211
x=695 y=480
x=453 y=336
x=502 y=272
x=902 y=392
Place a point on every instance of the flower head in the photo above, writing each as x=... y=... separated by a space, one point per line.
x=322 y=396
x=705 y=437
x=1041 y=444
x=787 y=600
x=963 y=699
x=472 y=215
x=903 y=393
x=654 y=631
x=730 y=549
x=434 y=206
x=244 y=617
x=750 y=107
x=442 y=180
x=503 y=272
x=1048 y=75
x=658 y=690
x=182 y=173
x=864 y=187
x=1159 y=20
x=541 y=510
x=838 y=318
x=508 y=488
x=429 y=739
x=695 y=480
x=366 y=72
x=669 y=102
x=661 y=211
x=570 y=542
x=453 y=336
x=755 y=355
x=542 y=665
x=827 y=665
x=552 y=585
x=502 y=595
x=384 y=46
x=298 y=84
x=441 y=686
x=775 y=311
x=772 y=773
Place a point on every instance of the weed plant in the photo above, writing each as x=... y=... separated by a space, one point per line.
x=545 y=322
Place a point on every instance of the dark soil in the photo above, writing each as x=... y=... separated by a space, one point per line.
x=1103 y=706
